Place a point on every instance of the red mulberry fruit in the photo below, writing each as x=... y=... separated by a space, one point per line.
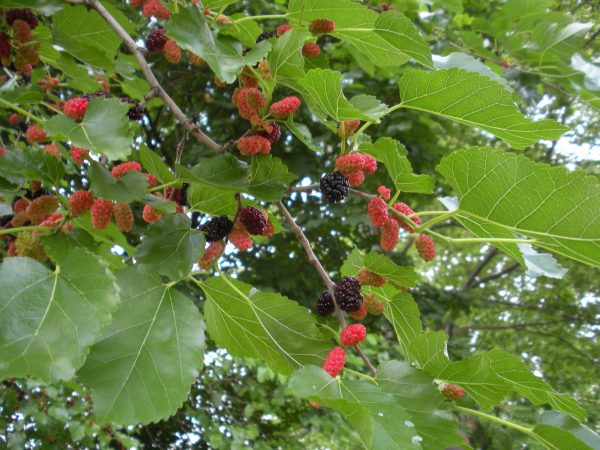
x=248 y=101
x=384 y=192
x=123 y=217
x=21 y=31
x=155 y=8
x=282 y=29
x=150 y=215
x=52 y=149
x=311 y=50
x=211 y=254
x=356 y=179
x=389 y=235
x=171 y=52
x=121 y=169
x=79 y=154
x=253 y=219
x=349 y=127
x=285 y=107
x=378 y=212
x=369 y=164
x=335 y=361
x=75 y=108
x=353 y=334
x=253 y=145
x=407 y=211
x=80 y=202
x=321 y=26
x=349 y=163
x=425 y=247
x=452 y=391
x=240 y=238
x=366 y=277
x=34 y=134
x=101 y=213
x=359 y=314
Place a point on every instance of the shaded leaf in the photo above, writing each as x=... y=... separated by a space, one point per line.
x=130 y=187
x=142 y=368
x=268 y=178
x=154 y=164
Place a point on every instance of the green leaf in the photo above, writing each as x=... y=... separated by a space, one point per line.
x=160 y=204
x=398 y=30
x=286 y=60
x=567 y=424
x=222 y=171
x=302 y=132
x=142 y=368
x=380 y=264
x=246 y=32
x=262 y=325
x=46 y=7
x=109 y=235
x=554 y=438
x=86 y=35
x=217 y=3
x=555 y=207
x=469 y=63
x=104 y=129
x=268 y=178
x=171 y=246
x=379 y=420
x=222 y=54
x=130 y=187
x=474 y=100
x=557 y=41
x=48 y=319
x=22 y=95
x=211 y=200
x=154 y=164
x=511 y=369
x=387 y=40
x=403 y=313
x=393 y=155
x=323 y=92
x=31 y=163
x=416 y=392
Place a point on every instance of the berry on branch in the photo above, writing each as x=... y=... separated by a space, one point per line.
x=123 y=217
x=356 y=179
x=40 y=207
x=253 y=145
x=334 y=187
x=248 y=101
x=150 y=215
x=378 y=212
x=349 y=163
x=285 y=107
x=253 y=219
x=425 y=247
x=79 y=154
x=27 y=244
x=171 y=52
x=353 y=334
x=155 y=8
x=217 y=228
x=211 y=254
x=359 y=314
x=349 y=127
x=321 y=26
x=325 y=305
x=384 y=192
x=80 y=202
x=365 y=276
x=239 y=237
x=335 y=361
x=282 y=29
x=347 y=294
x=407 y=211
x=101 y=213
x=452 y=392
x=271 y=132
x=311 y=50
x=156 y=40
x=121 y=169
x=75 y=108
x=52 y=149
x=369 y=164
x=34 y=134
x=21 y=31
x=22 y=14
x=373 y=305
x=389 y=235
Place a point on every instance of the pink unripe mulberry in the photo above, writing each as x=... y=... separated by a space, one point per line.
x=285 y=107
x=40 y=207
x=271 y=132
x=80 y=202
x=211 y=254
x=101 y=213
x=366 y=277
x=123 y=217
x=311 y=50
x=121 y=169
x=152 y=181
x=369 y=164
x=425 y=247
x=378 y=212
x=52 y=149
x=407 y=211
x=349 y=127
x=389 y=235
x=373 y=305
x=335 y=361
x=356 y=179
x=359 y=314
x=321 y=26
x=155 y=8
x=349 y=163
x=171 y=52
x=353 y=334
x=150 y=215
x=14 y=118
x=75 y=108
x=34 y=134
x=452 y=391
x=384 y=192
x=249 y=101
x=253 y=145
x=282 y=29
x=79 y=154
x=239 y=237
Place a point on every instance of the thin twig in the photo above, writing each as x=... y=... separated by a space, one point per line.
x=310 y=187
x=314 y=261
x=506 y=271
x=155 y=86
x=484 y=262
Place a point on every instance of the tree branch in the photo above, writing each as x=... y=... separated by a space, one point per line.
x=155 y=87
x=484 y=262
x=503 y=272
x=314 y=261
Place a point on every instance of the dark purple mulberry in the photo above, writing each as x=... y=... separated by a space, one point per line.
x=325 y=305
x=347 y=294
x=216 y=229
x=156 y=40
x=253 y=219
x=334 y=187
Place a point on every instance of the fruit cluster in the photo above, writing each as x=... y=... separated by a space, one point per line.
x=21 y=52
